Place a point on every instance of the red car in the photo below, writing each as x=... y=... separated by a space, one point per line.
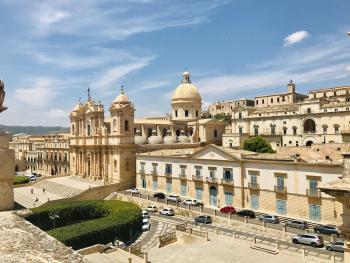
x=228 y=209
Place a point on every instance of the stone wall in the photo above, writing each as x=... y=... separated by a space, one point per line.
x=7 y=172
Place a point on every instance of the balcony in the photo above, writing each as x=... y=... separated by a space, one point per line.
x=280 y=189
x=154 y=173
x=183 y=176
x=227 y=181
x=253 y=186
x=167 y=174
x=313 y=193
x=197 y=178
x=142 y=171
x=213 y=180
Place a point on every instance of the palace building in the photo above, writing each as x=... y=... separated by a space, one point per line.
x=272 y=183
x=104 y=148
x=290 y=118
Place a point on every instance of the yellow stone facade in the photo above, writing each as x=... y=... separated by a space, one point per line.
x=297 y=198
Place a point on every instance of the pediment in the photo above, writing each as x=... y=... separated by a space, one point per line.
x=212 y=152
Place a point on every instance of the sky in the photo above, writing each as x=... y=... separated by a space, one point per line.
x=52 y=51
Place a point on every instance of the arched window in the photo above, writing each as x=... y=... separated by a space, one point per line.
x=178 y=132
x=309 y=125
x=190 y=131
x=284 y=130
x=149 y=132
x=256 y=130
x=215 y=133
x=114 y=125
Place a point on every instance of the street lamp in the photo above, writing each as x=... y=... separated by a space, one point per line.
x=53 y=217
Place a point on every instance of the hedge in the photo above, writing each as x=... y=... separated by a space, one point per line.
x=21 y=179
x=85 y=223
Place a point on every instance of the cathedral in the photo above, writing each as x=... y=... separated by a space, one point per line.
x=104 y=148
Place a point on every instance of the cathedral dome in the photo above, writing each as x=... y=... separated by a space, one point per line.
x=186 y=91
x=121 y=98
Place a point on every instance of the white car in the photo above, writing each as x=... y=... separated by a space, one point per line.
x=32 y=178
x=191 y=202
x=167 y=212
x=173 y=198
x=134 y=191
x=146 y=224
x=145 y=214
x=151 y=208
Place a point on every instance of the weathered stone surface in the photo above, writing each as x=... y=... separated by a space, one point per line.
x=7 y=172
x=23 y=242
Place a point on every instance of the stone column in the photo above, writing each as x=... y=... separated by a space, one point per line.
x=7 y=173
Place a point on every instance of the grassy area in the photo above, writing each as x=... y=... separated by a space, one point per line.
x=85 y=223
x=21 y=179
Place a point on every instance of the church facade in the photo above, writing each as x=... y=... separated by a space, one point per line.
x=104 y=147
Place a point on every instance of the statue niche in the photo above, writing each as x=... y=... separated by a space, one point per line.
x=2 y=96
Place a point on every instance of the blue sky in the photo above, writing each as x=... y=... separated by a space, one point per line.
x=51 y=51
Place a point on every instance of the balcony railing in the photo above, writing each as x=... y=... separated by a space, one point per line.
x=254 y=186
x=227 y=181
x=167 y=174
x=313 y=193
x=197 y=178
x=280 y=189
x=182 y=176
x=211 y=179
x=142 y=171
x=154 y=173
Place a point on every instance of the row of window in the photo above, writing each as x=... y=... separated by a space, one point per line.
x=227 y=173
x=186 y=113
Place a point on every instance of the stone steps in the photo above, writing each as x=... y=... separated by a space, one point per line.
x=25 y=200
x=57 y=189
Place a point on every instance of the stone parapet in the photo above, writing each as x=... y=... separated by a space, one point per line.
x=7 y=172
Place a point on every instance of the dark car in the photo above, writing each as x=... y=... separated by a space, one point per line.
x=326 y=229
x=159 y=195
x=228 y=209
x=203 y=219
x=297 y=224
x=246 y=213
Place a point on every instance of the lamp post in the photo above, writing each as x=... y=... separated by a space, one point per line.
x=53 y=217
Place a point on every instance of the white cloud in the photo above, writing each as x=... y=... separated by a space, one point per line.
x=38 y=94
x=57 y=113
x=110 y=76
x=296 y=37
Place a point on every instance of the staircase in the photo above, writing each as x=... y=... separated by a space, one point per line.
x=26 y=200
x=57 y=189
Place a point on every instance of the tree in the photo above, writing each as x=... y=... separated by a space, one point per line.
x=257 y=144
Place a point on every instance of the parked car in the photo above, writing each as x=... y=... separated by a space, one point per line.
x=32 y=179
x=173 y=198
x=326 y=229
x=246 y=213
x=336 y=246
x=167 y=212
x=151 y=208
x=193 y=202
x=134 y=191
x=146 y=224
x=228 y=209
x=308 y=239
x=205 y=219
x=145 y=214
x=297 y=224
x=269 y=219
x=159 y=195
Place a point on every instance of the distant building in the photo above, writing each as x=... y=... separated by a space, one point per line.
x=293 y=119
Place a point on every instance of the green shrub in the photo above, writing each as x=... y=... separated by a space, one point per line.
x=21 y=179
x=85 y=223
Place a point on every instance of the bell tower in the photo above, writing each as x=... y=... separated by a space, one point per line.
x=122 y=141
